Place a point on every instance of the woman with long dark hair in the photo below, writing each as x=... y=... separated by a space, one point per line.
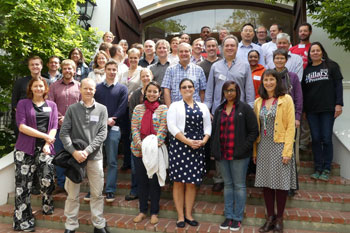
x=273 y=149
x=82 y=70
x=148 y=118
x=323 y=100
x=234 y=132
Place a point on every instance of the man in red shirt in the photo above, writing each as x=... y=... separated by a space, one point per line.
x=301 y=49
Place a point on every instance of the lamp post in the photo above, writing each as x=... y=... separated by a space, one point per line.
x=86 y=10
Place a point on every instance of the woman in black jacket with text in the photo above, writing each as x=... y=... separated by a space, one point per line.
x=234 y=131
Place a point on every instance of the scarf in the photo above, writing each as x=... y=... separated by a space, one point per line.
x=147 y=121
x=285 y=79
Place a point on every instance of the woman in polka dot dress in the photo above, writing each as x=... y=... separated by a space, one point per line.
x=190 y=127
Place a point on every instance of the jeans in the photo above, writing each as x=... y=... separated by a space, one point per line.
x=234 y=173
x=111 y=147
x=133 y=190
x=61 y=178
x=321 y=127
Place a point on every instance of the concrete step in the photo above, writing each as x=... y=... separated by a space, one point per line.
x=296 y=220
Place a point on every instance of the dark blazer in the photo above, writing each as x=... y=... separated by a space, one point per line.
x=246 y=131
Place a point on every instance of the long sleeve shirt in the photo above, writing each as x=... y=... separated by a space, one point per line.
x=220 y=73
x=114 y=97
x=88 y=124
x=64 y=95
x=243 y=51
x=159 y=124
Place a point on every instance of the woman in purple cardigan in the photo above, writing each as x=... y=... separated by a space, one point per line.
x=36 y=119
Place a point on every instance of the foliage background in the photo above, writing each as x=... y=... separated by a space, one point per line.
x=37 y=27
x=333 y=16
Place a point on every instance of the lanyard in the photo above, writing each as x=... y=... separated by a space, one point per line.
x=266 y=113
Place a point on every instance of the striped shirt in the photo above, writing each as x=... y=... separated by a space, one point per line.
x=159 y=124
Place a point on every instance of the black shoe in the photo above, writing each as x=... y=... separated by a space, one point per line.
x=102 y=230
x=236 y=225
x=30 y=229
x=226 y=224
x=217 y=187
x=131 y=197
x=110 y=197
x=193 y=222
x=68 y=231
x=180 y=224
x=291 y=193
x=124 y=168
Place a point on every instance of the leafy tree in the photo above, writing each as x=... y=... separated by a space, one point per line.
x=332 y=16
x=169 y=25
x=38 y=27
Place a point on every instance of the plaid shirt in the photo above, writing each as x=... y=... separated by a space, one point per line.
x=227 y=135
x=174 y=74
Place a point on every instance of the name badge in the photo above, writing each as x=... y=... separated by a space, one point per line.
x=301 y=46
x=47 y=109
x=154 y=116
x=94 y=118
x=222 y=77
x=256 y=77
x=115 y=128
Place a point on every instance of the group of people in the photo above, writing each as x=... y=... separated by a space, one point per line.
x=175 y=107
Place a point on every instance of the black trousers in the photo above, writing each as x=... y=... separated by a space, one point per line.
x=147 y=188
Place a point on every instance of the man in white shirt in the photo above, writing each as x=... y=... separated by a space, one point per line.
x=271 y=46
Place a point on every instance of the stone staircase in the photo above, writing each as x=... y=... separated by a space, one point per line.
x=317 y=207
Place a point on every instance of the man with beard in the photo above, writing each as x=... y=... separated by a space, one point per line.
x=301 y=49
x=211 y=46
x=64 y=93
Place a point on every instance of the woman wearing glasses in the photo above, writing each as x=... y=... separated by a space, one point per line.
x=234 y=131
x=190 y=127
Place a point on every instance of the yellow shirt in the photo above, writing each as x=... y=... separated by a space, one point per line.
x=284 y=124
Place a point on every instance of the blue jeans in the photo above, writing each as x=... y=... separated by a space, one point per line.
x=133 y=190
x=235 y=193
x=321 y=127
x=58 y=145
x=111 y=146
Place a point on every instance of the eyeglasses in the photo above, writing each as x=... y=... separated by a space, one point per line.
x=229 y=91
x=262 y=32
x=187 y=87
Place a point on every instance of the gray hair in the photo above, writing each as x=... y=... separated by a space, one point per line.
x=230 y=37
x=281 y=36
x=186 y=45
